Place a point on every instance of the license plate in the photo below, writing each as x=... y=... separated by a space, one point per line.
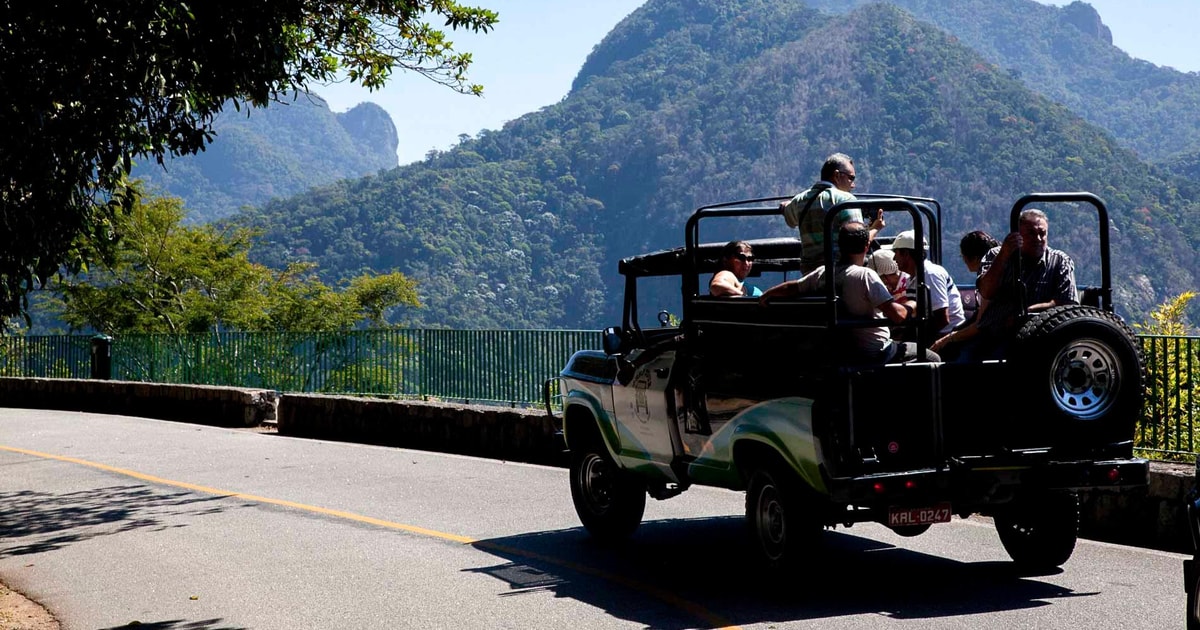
x=900 y=517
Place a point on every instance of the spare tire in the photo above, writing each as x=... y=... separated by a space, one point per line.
x=1082 y=369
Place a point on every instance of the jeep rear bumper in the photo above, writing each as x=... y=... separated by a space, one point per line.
x=972 y=485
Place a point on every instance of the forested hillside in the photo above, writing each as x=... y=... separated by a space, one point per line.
x=1066 y=53
x=692 y=102
x=260 y=154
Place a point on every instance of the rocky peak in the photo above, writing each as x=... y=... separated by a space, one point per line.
x=1083 y=16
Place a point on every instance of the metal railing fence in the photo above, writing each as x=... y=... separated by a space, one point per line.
x=1169 y=415
x=45 y=356
x=491 y=366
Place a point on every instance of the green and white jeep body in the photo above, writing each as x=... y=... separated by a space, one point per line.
x=745 y=397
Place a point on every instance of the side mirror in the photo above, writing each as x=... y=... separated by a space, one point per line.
x=614 y=341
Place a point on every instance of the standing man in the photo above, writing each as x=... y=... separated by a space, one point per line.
x=806 y=210
x=1023 y=264
x=945 y=302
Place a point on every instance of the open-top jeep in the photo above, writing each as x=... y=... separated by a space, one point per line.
x=742 y=396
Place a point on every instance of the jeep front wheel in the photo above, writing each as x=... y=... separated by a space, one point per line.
x=1039 y=531
x=609 y=501
x=780 y=526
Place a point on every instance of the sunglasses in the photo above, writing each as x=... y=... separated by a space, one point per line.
x=744 y=257
x=851 y=176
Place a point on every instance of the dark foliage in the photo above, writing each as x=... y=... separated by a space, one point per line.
x=90 y=85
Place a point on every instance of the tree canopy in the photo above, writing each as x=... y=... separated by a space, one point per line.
x=89 y=85
x=164 y=277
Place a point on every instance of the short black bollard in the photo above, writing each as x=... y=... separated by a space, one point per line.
x=102 y=357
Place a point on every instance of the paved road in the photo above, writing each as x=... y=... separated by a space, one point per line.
x=108 y=520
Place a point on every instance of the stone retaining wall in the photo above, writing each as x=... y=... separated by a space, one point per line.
x=523 y=435
x=199 y=404
x=1155 y=516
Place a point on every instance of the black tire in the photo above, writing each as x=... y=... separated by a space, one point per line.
x=1039 y=531
x=782 y=526
x=609 y=501
x=910 y=531
x=1081 y=368
x=1193 y=597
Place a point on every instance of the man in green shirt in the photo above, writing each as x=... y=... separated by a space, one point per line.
x=806 y=210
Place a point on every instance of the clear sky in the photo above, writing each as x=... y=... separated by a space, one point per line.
x=526 y=63
x=530 y=59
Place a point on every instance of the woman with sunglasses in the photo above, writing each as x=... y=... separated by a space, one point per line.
x=737 y=257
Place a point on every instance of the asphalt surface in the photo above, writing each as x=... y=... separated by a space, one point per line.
x=109 y=520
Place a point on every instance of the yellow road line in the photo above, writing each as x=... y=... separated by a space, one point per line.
x=658 y=593
x=248 y=497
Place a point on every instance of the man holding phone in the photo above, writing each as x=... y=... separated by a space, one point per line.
x=806 y=211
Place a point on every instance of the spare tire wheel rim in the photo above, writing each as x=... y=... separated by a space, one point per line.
x=1085 y=378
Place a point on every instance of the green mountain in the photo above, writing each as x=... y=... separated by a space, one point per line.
x=281 y=150
x=690 y=102
x=1066 y=53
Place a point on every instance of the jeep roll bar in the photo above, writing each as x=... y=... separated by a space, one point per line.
x=691 y=282
x=894 y=204
x=1105 y=296
x=916 y=207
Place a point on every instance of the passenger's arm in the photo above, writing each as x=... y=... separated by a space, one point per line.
x=725 y=284
x=779 y=290
x=800 y=286
x=992 y=276
x=897 y=312
x=877 y=225
x=957 y=336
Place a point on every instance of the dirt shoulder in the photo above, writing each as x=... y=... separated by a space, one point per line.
x=19 y=613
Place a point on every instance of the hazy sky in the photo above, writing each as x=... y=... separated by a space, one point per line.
x=536 y=50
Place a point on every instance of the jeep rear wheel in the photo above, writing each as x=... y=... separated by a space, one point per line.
x=781 y=527
x=1039 y=531
x=609 y=501
x=1083 y=368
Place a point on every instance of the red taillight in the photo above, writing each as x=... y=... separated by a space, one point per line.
x=910 y=484
x=1114 y=475
x=879 y=489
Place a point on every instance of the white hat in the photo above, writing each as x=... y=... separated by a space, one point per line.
x=883 y=262
x=906 y=240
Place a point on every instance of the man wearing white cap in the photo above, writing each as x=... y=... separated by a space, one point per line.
x=945 y=302
x=883 y=261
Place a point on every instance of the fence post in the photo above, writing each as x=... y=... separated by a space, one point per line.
x=102 y=357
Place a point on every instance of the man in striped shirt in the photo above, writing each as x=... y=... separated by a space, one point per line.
x=806 y=210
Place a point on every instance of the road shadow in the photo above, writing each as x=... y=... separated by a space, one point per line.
x=177 y=624
x=677 y=574
x=33 y=522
